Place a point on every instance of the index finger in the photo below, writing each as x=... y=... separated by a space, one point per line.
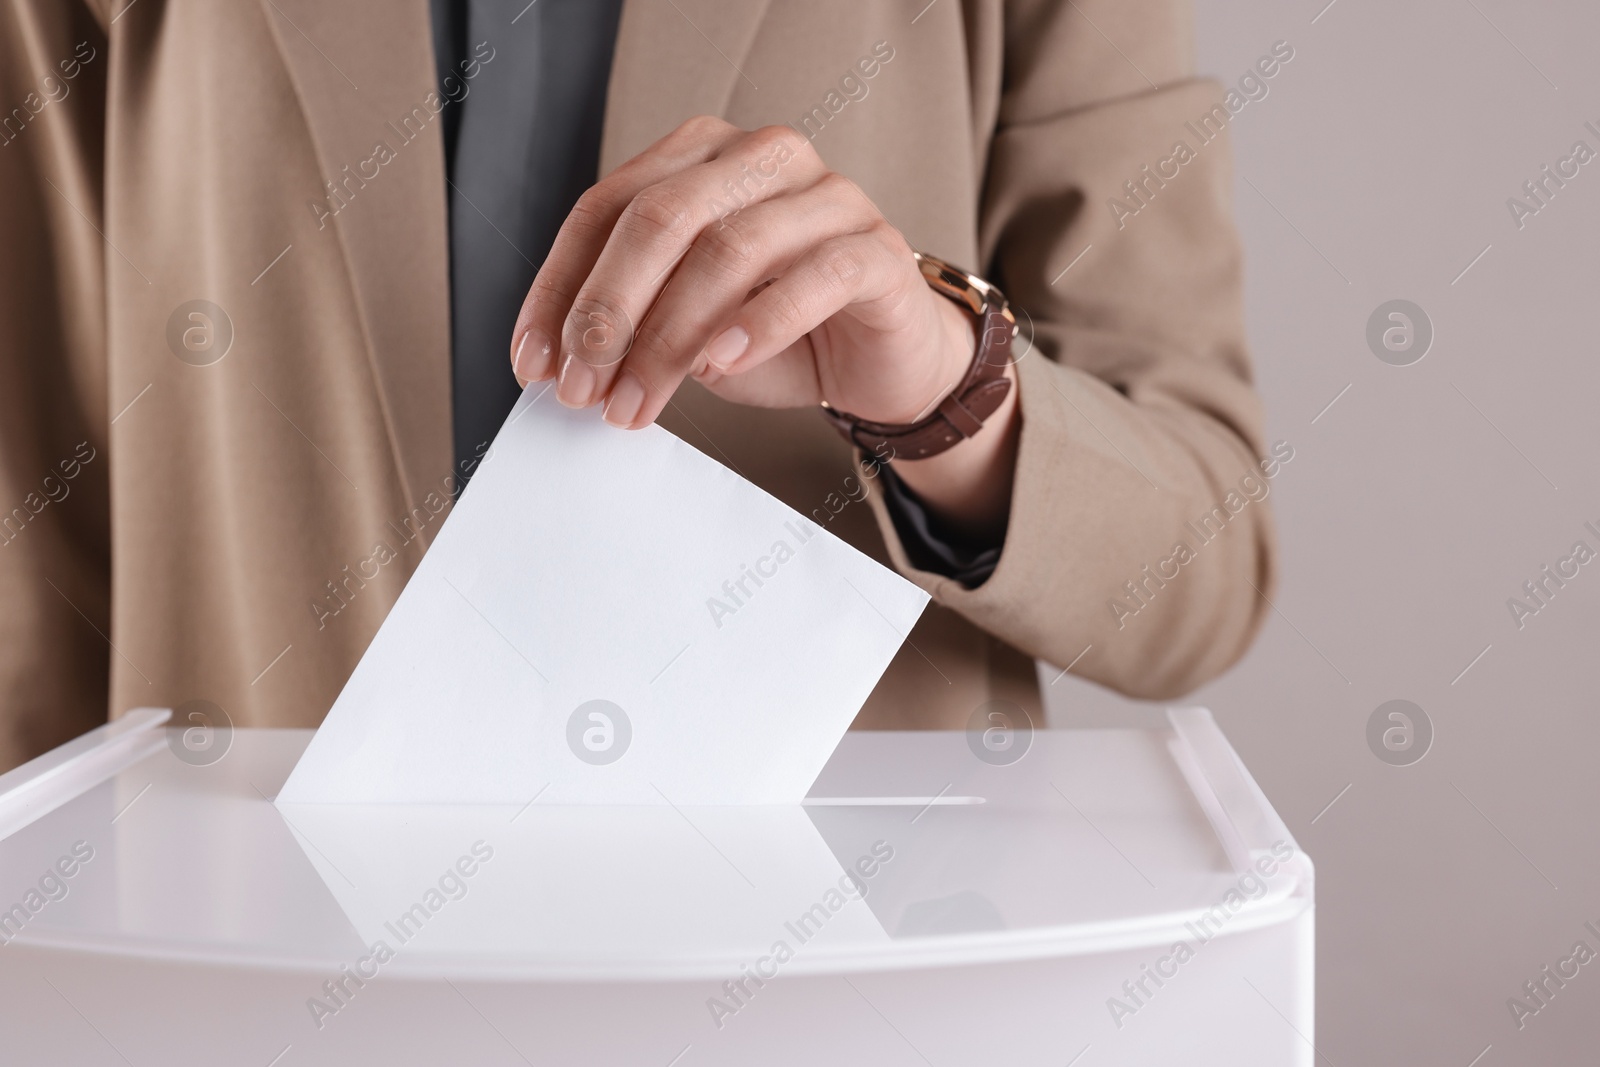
x=583 y=235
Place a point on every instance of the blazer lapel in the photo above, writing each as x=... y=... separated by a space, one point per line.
x=364 y=78
x=674 y=59
x=365 y=75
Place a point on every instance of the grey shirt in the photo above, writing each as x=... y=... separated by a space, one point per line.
x=522 y=142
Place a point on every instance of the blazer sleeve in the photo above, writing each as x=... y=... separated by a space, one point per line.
x=54 y=498
x=1139 y=537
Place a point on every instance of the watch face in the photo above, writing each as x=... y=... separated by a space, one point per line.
x=973 y=292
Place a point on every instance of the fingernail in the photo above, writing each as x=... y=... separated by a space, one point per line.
x=575 y=388
x=627 y=398
x=534 y=358
x=726 y=348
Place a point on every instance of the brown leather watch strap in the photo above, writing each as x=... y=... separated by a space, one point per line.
x=977 y=396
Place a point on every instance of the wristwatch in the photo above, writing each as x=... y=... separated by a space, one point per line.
x=977 y=396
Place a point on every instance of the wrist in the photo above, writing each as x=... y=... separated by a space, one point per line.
x=969 y=485
x=954 y=413
x=958 y=329
x=951 y=339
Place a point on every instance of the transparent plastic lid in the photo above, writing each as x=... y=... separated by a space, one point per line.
x=916 y=849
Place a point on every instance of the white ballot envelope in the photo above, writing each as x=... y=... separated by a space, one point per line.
x=610 y=617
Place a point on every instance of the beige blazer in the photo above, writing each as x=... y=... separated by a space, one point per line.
x=176 y=526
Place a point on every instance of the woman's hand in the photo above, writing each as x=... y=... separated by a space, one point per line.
x=741 y=260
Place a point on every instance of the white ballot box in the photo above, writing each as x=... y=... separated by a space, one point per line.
x=1097 y=897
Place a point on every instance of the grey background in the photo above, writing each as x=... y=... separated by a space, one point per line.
x=1377 y=168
